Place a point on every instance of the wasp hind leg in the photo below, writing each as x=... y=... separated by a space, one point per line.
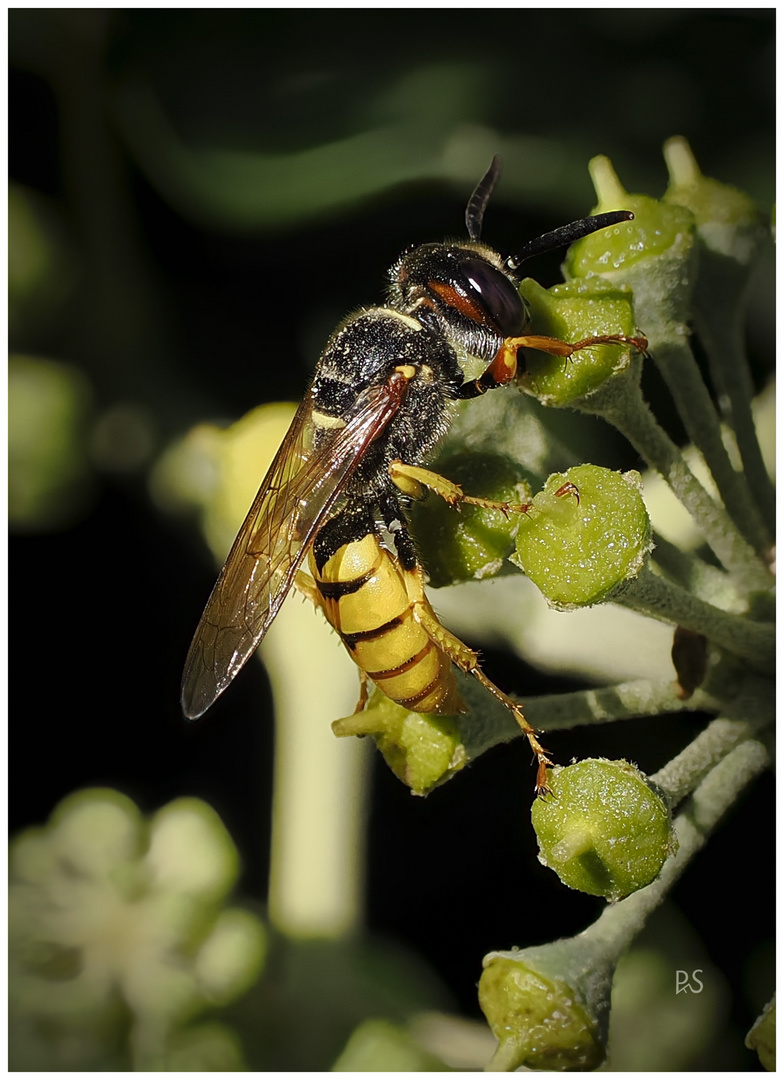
x=468 y=660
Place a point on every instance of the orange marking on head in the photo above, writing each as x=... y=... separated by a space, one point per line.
x=461 y=303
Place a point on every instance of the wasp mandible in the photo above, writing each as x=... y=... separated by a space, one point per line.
x=339 y=489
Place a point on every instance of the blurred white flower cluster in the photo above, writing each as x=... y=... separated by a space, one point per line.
x=118 y=938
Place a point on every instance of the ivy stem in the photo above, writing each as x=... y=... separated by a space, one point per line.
x=692 y=573
x=751 y=710
x=722 y=336
x=489 y=723
x=652 y=594
x=623 y=701
x=675 y=361
x=732 y=235
x=622 y=404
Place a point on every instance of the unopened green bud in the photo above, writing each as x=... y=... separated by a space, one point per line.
x=572 y=312
x=469 y=543
x=606 y=831
x=654 y=254
x=731 y=233
x=543 y=1020
x=762 y=1037
x=588 y=532
x=421 y=749
x=728 y=221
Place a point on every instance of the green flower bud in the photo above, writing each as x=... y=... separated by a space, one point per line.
x=572 y=312
x=541 y=1019
x=654 y=254
x=728 y=221
x=731 y=234
x=470 y=542
x=607 y=831
x=421 y=749
x=762 y=1037
x=578 y=552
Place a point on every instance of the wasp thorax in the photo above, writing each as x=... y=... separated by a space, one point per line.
x=460 y=288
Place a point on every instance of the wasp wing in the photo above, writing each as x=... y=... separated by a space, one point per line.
x=300 y=488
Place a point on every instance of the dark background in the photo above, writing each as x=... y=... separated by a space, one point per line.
x=195 y=300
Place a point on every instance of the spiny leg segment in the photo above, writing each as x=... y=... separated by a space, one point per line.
x=468 y=660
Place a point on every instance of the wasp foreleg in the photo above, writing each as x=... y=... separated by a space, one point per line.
x=504 y=365
x=468 y=660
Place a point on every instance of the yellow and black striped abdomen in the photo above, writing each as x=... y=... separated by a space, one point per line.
x=364 y=596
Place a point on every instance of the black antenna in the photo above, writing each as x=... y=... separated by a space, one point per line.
x=566 y=235
x=475 y=211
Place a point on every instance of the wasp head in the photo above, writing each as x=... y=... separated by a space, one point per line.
x=461 y=291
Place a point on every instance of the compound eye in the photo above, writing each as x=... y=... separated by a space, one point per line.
x=496 y=294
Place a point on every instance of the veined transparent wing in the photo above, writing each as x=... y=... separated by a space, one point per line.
x=300 y=488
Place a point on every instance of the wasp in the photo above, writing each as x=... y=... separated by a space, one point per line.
x=340 y=487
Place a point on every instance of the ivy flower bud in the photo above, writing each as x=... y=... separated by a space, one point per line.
x=542 y=1017
x=762 y=1037
x=476 y=542
x=421 y=749
x=578 y=547
x=654 y=254
x=606 y=832
x=574 y=311
x=728 y=222
x=731 y=233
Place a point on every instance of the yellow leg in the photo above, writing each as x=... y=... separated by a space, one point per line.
x=412 y=479
x=305 y=584
x=363 y=691
x=468 y=660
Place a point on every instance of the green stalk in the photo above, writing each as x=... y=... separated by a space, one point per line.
x=652 y=594
x=698 y=577
x=676 y=362
x=722 y=336
x=752 y=709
